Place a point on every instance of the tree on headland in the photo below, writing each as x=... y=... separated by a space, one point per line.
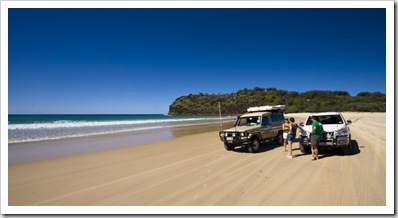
x=310 y=101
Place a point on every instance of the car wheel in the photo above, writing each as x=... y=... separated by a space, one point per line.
x=348 y=150
x=253 y=148
x=279 y=138
x=228 y=147
x=303 y=149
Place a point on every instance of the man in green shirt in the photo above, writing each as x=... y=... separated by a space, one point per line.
x=316 y=136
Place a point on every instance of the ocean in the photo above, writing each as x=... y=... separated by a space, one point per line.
x=33 y=128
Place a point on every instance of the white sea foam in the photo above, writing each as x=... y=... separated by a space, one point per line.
x=76 y=135
x=80 y=124
x=54 y=135
x=68 y=128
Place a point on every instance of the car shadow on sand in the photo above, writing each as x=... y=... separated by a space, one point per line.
x=325 y=153
x=264 y=147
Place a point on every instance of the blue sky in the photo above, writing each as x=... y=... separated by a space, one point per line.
x=141 y=60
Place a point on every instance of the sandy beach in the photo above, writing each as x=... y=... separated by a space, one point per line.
x=194 y=169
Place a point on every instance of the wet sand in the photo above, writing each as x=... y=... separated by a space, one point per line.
x=194 y=169
x=43 y=150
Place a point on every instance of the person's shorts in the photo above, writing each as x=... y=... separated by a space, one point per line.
x=285 y=135
x=315 y=141
x=290 y=137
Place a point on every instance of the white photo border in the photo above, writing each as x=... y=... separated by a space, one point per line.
x=390 y=151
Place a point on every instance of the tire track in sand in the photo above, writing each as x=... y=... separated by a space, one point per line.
x=119 y=180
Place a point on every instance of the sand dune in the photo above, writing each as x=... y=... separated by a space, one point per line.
x=196 y=170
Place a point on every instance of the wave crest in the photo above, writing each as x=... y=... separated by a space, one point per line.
x=79 y=124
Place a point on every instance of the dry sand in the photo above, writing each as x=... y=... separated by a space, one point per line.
x=196 y=170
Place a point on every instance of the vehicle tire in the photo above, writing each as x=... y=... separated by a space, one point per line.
x=304 y=150
x=279 y=138
x=254 y=147
x=348 y=150
x=228 y=147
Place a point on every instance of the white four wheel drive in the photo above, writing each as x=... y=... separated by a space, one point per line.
x=336 y=133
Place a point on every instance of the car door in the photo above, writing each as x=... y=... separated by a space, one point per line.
x=276 y=122
x=266 y=127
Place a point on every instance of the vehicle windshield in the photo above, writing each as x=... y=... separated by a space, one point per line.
x=248 y=121
x=327 y=119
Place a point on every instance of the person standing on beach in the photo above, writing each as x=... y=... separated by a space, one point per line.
x=316 y=135
x=291 y=136
x=285 y=129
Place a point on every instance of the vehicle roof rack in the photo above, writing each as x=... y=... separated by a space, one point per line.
x=267 y=108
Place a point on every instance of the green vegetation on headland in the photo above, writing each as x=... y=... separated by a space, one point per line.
x=311 y=101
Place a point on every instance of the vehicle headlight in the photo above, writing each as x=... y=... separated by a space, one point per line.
x=303 y=133
x=343 y=131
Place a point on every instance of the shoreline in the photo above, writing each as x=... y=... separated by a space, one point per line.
x=46 y=130
x=56 y=148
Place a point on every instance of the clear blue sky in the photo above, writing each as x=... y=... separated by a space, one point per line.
x=141 y=60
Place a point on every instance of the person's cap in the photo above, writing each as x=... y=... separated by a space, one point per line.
x=286 y=118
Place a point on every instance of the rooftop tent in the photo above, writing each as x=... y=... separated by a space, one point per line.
x=266 y=108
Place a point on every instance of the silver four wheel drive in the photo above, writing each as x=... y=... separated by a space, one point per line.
x=251 y=129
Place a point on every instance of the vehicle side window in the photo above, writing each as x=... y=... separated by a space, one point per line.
x=280 y=117
x=265 y=121
x=242 y=122
x=273 y=117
